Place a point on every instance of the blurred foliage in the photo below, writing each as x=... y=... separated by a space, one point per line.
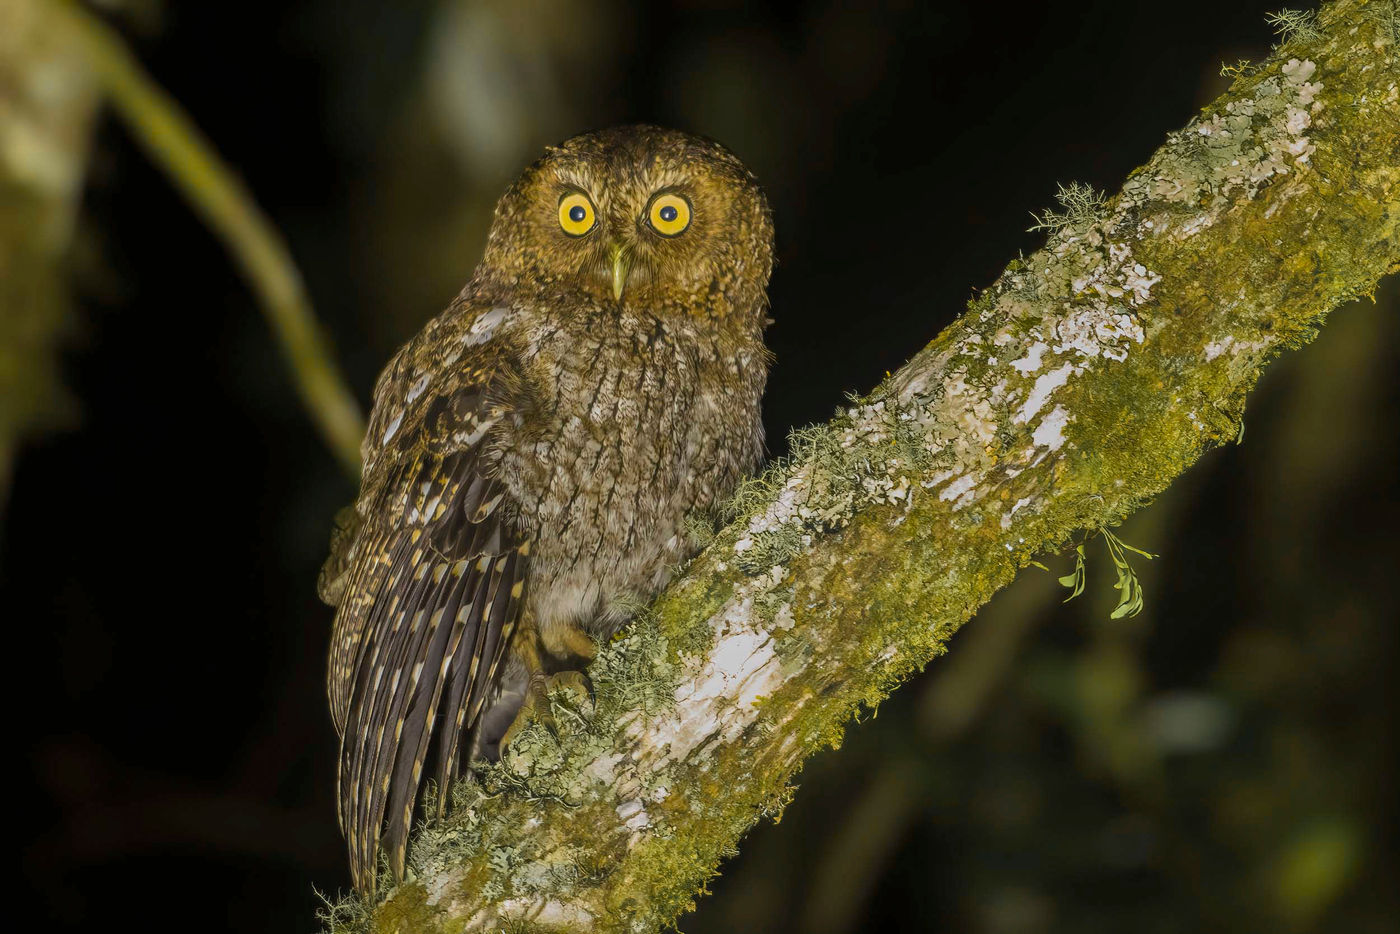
x=47 y=104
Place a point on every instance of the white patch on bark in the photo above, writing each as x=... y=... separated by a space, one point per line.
x=715 y=700
x=1031 y=361
x=604 y=768
x=1098 y=329
x=784 y=508
x=1040 y=392
x=565 y=914
x=1229 y=344
x=1006 y=516
x=958 y=487
x=633 y=815
x=1050 y=433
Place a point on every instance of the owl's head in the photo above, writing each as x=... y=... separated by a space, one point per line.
x=637 y=214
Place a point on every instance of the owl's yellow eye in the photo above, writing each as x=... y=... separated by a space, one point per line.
x=576 y=214
x=668 y=214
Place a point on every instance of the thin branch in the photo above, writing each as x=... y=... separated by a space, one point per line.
x=1072 y=391
x=172 y=140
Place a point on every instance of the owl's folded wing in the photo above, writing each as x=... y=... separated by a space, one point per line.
x=430 y=587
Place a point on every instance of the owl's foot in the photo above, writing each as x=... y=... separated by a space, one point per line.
x=537 y=706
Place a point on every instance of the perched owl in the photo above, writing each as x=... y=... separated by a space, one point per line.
x=533 y=452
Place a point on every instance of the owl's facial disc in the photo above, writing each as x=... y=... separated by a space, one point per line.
x=637 y=215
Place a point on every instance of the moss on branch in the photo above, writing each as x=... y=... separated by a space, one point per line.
x=1071 y=392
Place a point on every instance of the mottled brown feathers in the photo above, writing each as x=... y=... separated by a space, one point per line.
x=533 y=452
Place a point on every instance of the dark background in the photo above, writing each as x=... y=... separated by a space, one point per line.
x=1222 y=762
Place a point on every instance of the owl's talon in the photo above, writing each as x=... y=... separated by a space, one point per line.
x=576 y=683
x=537 y=708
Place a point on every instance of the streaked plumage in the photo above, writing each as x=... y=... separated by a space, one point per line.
x=533 y=452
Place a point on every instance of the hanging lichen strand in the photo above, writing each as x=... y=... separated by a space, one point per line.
x=1072 y=391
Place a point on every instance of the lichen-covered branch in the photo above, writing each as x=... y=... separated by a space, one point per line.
x=1072 y=391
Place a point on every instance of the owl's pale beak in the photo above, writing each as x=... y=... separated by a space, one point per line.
x=621 y=266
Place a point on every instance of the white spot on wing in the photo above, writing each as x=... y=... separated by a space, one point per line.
x=484 y=327
x=393 y=427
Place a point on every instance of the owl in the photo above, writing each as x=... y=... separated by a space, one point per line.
x=532 y=455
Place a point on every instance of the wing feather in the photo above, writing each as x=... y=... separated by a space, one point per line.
x=430 y=589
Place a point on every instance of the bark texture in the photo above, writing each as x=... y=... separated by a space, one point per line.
x=1071 y=392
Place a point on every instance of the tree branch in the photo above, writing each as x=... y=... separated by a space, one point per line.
x=1071 y=392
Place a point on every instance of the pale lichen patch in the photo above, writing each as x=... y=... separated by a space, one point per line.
x=568 y=915
x=1235 y=347
x=1237 y=150
x=958 y=487
x=1050 y=433
x=633 y=814
x=1044 y=386
x=1009 y=515
x=1031 y=361
x=1098 y=329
